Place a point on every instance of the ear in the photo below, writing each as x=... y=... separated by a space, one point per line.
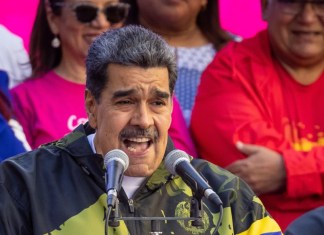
x=173 y=103
x=52 y=20
x=264 y=8
x=91 y=108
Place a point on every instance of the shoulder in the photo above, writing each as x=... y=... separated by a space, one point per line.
x=311 y=222
x=31 y=85
x=35 y=81
x=224 y=182
x=48 y=156
x=215 y=175
x=253 y=47
x=237 y=197
x=250 y=60
x=22 y=174
x=26 y=161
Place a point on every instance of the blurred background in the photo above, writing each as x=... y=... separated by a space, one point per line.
x=242 y=18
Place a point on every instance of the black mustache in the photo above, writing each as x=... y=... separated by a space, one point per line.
x=133 y=132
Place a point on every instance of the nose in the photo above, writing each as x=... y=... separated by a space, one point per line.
x=308 y=13
x=142 y=116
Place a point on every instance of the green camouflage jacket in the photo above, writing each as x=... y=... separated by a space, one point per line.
x=60 y=189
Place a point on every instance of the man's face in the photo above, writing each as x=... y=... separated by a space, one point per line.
x=134 y=115
x=297 y=39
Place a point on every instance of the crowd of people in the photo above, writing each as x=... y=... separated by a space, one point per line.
x=147 y=77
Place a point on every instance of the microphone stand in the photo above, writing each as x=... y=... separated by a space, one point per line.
x=111 y=215
x=196 y=211
x=113 y=222
x=155 y=227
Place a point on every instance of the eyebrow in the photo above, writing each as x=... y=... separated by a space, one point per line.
x=162 y=94
x=119 y=94
x=125 y=93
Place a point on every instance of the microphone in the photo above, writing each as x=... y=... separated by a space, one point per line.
x=178 y=162
x=116 y=162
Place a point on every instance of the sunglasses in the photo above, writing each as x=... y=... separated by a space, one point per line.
x=294 y=7
x=86 y=13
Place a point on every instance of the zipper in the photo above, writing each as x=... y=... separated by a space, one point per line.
x=131 y=205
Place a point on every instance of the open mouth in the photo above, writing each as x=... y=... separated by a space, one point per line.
x=137 y=144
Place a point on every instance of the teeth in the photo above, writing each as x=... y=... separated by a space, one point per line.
x=140 y=140
x=131 y=149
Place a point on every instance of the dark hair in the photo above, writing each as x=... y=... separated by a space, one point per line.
x=130 y=46
x=208 y=20
x=43 y=57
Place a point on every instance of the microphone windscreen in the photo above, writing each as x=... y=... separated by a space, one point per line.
x=174 y=158
x=117 y=155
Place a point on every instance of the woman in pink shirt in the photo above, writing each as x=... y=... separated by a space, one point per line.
x=51 y=103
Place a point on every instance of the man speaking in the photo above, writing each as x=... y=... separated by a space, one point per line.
x=60 y=187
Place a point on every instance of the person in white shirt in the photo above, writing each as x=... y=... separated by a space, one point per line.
x=14 y=58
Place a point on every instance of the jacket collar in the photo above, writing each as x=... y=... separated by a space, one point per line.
x=76 y=145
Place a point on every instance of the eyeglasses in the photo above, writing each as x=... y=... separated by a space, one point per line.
x=85 y=13
x=294 y=7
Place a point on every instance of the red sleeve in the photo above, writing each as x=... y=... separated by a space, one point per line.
x=305 y=172
x=239 y=99
x=179 y=131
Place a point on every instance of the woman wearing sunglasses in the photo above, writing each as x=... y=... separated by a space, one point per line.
x=51 y=103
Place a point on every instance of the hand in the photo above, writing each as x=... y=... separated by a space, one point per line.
x=263 y=169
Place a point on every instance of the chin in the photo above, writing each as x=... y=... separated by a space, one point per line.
x=138 y=172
